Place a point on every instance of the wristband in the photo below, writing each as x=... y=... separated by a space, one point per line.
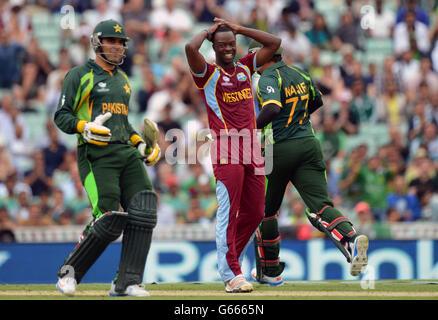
x=208 y=34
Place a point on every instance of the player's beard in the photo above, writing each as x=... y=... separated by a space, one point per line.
x=111 y=56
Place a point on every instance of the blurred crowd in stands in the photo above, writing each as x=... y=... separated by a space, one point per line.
x=376 y=63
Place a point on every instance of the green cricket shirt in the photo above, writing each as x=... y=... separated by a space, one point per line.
x=291 y=89
x=89 y=91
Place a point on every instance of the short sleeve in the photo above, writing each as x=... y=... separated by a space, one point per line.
x=268 y=91
x=202 y=78
x=250 y=61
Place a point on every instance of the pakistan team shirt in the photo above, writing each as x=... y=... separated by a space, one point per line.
x=89 y=91
x=291 y=89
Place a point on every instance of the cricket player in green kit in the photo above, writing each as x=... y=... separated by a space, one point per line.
x=287 y=97
x=111 y=155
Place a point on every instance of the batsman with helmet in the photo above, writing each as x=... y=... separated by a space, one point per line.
x=287 y=97
x=111 y=155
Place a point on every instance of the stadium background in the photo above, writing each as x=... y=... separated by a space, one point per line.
x=378 y=128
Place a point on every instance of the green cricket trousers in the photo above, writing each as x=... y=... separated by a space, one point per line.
x=115 y=175
x=112 y=175
x=301 y=162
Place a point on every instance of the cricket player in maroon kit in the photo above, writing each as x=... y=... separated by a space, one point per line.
x=235 y=151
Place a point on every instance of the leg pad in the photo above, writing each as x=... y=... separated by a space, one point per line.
x=331 y=229
x=267 y=248
x=137 y=237
x=96 y=237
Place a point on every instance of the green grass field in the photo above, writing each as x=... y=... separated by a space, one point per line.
x=292 y=290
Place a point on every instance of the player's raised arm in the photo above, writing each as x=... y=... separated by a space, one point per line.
x=270 y=42
x=194 y=57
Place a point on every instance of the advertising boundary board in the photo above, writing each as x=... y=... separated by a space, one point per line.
x=192 y=261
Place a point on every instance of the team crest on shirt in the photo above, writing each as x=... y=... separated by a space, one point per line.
x=226 y=81
x=102 y=87
x=241 y=76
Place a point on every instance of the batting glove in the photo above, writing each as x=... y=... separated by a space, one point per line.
x=151 y=155
x=96 y=133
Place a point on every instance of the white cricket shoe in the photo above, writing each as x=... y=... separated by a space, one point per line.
x=135 y=290
x=359 y=258
x=238 y=284
x=67 y=285
x=272 y=281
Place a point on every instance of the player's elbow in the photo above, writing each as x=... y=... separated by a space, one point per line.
x=65 y=122
x=56 y=118
x=268 y=113
x=275 y=43
x=315 y=105
x=190 y=48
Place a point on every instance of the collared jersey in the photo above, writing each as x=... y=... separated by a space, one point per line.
x=228 y=95
x=89 y=91
x=291 y=89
